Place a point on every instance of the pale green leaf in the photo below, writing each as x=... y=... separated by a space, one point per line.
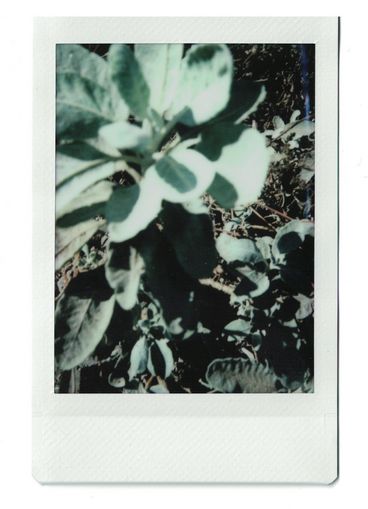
x=160 y=64
x=127 y=75
x=129 y=214
x=124 y=268
x=182 y=176
x=205 y=81
x=230 y=375
x=123 y=135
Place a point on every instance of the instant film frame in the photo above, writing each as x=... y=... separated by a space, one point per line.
x=290 y=438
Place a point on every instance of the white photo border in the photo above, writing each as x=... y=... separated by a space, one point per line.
x=289 y=438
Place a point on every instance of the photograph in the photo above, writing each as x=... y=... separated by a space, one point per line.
x=184 y=218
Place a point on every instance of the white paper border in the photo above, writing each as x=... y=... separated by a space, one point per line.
x=178 y=437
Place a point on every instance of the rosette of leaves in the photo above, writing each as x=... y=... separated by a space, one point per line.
x=141 y=136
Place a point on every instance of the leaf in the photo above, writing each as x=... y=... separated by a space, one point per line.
x=81 y=317
x=160 y=64
x=230 y=375
x=88 y=205
x=131 y=209
x=290 y=237
x=73 y=58
x=69 y=240
x=82 y=107
x=239 y=156
x=127 y=75
x=165 y=278
x=138 y=358
x=238 y=329
x=176 y=174
x=245 y=98
x=253 y=283
x=123 y=269
x=160 y=359
x=232 y=249
x=223 y=192
x=182 y=176
x=123 y=135
x=81 y=176
x=205 y=81
x=192 y=237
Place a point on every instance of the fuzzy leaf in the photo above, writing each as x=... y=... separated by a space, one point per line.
x=131 y=209
x=123 y=135
x=127 y=75
x=124 y=268
x=160 y=64
x=240 y=375
x=182 y=176
x=81 y=317
x=205 y=81
x=239 y=155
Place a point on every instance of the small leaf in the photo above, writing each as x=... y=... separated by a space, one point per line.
x=232 y=249
x=160 y=64
x=231 y=375
x=205 y=81
x=290 y=237
x=192 y=238
x=160 y=359
x=124 y=268
x=128 y=78
x=237 y=329
x=123 y=135
x=81 y=317
x=138 y=358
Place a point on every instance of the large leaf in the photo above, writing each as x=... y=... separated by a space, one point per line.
x=160 y=64
x=240 y=375
x=182 y=176
x=73 y=58
x=131 y=209
x=192 y=238
x=88 y=205
x=81 y=317
x=128 y=77
x=205 y=81
x=88 y=174
x=82 y=107
x=124 y=268
x=239 y=156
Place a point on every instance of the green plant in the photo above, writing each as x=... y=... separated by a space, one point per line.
x=142 y=136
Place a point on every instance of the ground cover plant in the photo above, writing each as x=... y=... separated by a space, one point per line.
x=184 y=218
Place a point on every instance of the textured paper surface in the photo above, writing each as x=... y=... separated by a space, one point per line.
x=186 y=438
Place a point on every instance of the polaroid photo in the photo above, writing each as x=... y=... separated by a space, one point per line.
x=185 y=250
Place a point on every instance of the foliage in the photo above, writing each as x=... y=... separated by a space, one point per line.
x=150 y=142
